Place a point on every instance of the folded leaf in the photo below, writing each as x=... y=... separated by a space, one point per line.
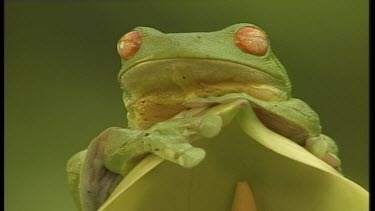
x=282 y=175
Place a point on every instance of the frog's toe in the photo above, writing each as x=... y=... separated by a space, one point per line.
x=210 y=126
x=317 y=146
x=332 y=160
x=324 y=148
x=191 y=157
x=182 y=153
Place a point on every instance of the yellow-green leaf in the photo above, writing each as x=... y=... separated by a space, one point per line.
x=283 y=177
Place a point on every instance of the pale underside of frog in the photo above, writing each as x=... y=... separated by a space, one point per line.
x=165 y=75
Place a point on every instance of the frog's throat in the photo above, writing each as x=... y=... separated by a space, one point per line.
x=156 y=90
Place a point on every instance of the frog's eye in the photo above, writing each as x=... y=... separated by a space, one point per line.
x=129 y=44
x=252 y=40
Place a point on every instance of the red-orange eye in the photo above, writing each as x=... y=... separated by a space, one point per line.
x=252 y=40
x=129 y=44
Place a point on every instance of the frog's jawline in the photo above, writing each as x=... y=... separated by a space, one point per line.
x=178 y=73
x=149 y=100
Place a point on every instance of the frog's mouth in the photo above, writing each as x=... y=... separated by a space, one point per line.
x=157 y=90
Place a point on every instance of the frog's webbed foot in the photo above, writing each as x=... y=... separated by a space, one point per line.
x=171 y=139
x=324 y=148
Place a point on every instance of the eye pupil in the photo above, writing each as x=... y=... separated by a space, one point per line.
x=252 y=40
x=129 y=44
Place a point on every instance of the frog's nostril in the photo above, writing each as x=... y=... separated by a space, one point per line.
x=129 y=44
x=252 y=40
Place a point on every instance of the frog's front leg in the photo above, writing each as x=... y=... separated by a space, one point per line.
x=95 y=172
x=294 y=111
x=169 y=139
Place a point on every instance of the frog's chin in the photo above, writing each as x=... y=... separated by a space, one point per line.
x=156 y=90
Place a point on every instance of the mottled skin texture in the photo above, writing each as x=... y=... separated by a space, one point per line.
x=171 y=73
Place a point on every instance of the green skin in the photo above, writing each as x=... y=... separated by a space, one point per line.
x=96 y=171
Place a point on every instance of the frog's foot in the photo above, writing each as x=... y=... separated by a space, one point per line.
x=208 y=124
x=171 y=139
x=324 y=148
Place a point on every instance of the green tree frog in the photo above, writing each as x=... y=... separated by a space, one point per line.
x=165 y=75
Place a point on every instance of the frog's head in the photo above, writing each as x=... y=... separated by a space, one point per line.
x=161 y=71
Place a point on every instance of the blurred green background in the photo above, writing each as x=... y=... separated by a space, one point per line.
x=61 y=66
